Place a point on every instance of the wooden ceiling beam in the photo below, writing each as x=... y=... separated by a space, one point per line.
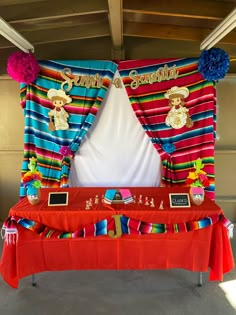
x=60 y=22
x=201 y=9
x=14 y=2
x=115 y=17
x=47 y=9
x=59 y=35
x=160 y=31
x=52 y=18
x=116 y=22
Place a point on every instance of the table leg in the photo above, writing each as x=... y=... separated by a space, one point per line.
x=33 y=280
x=199 y=279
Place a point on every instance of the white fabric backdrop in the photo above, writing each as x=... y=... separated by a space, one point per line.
x=116 y=150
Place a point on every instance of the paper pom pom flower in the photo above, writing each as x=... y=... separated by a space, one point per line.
x=198 y=178
x=213 y=64
x=32 y=178
x=65 y=151
x=22 y=67
x=169 y=147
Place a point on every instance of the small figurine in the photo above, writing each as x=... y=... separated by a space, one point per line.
x=161 y=207
x=146 y=201
x=87 y=205
x=152 y=205
x=90 y=202
x=96 y=200
x=140 y=199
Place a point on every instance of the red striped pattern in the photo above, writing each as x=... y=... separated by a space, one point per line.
x=151 y=109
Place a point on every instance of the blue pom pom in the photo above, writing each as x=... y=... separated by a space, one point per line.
x=168 y=147
x=213 y=64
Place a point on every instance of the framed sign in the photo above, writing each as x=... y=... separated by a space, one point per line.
x=179 y=200
x=58 y=198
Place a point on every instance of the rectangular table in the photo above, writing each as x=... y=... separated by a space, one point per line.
x=197 y=250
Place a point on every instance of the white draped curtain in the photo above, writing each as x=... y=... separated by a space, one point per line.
x=116 y=151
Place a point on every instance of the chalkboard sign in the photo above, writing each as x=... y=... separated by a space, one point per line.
x=58 y=198
x=180 y=200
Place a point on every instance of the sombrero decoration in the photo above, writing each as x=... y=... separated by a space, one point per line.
x=175 y=90
x=59 y=93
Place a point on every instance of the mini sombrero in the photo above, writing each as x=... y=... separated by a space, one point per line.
x=177 y=90
x=59 y=93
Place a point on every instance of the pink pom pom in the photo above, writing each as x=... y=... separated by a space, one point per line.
x=22 y=67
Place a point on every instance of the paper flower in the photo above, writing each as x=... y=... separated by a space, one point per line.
x=32 y=178
x=169 y=147
x=65 y=151
x=198 y=178
x=23 y=67
x=213 y=64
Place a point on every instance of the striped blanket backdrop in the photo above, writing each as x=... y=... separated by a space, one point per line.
x=46 y=145
x=146 y=82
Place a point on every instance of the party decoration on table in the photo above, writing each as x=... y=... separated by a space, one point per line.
x=229 y=226
x=87 y=206
x=161 y=206
x=109 y=196
x=117 y=230
x=32 y=181
x=213 y=64
x=140 y=199
x=126 y=195
x=152 y=204
x=198 y=177
x=96 y=200
x=125 y=225
x=179 y=200
x=146 y=201
x=23 y=67
x=118 y=196
x=178 y=116
x=58 y=198
x=90 y=202
x=197 y=180
x=58 y=116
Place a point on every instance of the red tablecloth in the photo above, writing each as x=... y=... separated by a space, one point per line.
x=196 y=250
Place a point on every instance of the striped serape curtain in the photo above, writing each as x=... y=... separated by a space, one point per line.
x=86 y=83
x=146 y=83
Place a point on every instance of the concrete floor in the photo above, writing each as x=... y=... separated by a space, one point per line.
x=172 y=292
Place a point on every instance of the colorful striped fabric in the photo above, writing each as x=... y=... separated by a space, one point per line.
x=54 y=149
x=126 y=195
x=150 y=79
x=133 y=226
x=128 y=226
x=178 y=148
x=109 y=195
